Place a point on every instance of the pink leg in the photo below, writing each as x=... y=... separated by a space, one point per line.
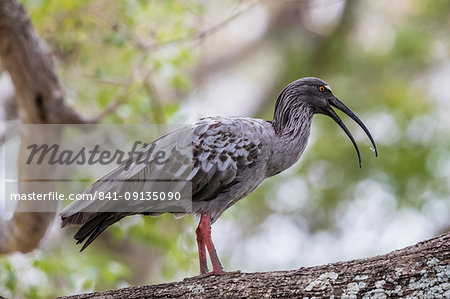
x=201 y=251
x=204 y=235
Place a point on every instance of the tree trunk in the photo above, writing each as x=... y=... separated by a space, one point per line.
x=419 y=271
x=40 y=99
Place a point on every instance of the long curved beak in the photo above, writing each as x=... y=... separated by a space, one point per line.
x=335 y=102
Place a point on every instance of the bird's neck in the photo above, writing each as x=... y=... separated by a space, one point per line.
x=291 y=138
x=292 y=121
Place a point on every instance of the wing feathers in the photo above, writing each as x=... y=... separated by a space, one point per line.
x=210 y=155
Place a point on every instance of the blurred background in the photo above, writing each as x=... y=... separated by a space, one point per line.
x=175 y=61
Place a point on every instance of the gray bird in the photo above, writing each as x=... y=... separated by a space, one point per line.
x=229 y=158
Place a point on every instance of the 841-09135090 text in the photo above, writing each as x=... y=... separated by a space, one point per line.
x=147 y=195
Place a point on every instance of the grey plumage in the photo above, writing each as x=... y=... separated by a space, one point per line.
x=224 y=158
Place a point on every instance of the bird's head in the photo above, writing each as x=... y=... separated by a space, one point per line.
x=316 y=96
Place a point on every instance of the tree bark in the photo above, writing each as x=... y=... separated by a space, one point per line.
x=40 y=99
x=418 y=271
x=29 y=62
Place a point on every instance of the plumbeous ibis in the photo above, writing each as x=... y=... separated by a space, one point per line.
x=231 y=157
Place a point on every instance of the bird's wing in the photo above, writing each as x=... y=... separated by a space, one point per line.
x=135 y=176
x=222 y=147
x=205 y=157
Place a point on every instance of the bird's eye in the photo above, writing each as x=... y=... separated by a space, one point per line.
x=321 y=88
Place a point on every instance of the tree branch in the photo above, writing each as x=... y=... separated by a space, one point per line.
x=124 y=91
x=28 y=61
x=419 y=271
x=40 y=98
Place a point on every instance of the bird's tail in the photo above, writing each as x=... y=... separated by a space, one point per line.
x=91 y=228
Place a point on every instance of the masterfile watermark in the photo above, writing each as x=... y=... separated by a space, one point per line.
x=105 y=168
x=59 y=156
x=114 y=196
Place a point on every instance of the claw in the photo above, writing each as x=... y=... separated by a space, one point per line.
x=218 y=273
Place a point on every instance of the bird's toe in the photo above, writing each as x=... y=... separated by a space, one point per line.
x=219 y=273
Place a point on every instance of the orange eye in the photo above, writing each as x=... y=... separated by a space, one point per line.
x=321 y=88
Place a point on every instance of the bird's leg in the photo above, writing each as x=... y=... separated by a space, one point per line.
x=217 y=265
x=204 y=231
x=201 y=249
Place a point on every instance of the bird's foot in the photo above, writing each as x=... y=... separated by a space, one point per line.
x=214 y=273
x=218 y=273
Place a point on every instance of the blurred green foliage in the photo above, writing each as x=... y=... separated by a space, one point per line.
x=144 y=55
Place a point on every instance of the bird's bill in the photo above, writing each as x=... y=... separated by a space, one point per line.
x=335 y=102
